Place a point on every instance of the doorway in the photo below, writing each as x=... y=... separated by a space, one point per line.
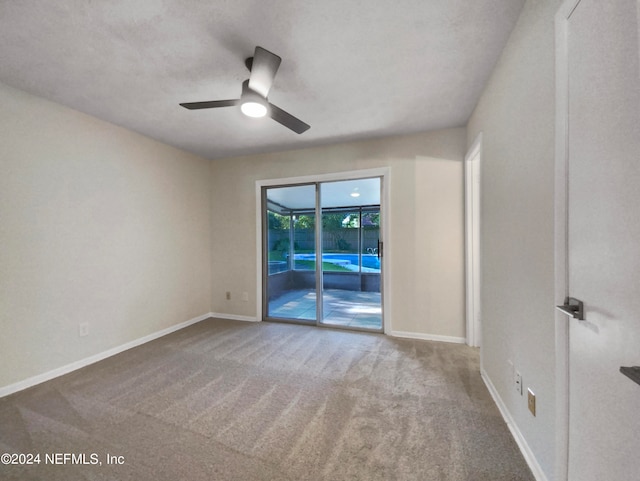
x=472 y=240
x=322 y=253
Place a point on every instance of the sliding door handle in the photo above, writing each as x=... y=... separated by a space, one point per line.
x=572 y=307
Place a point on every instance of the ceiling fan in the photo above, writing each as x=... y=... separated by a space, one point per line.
x=253 y=100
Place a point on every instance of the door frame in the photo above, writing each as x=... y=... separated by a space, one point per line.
x=472 y=241
x=561 y=237
x=385 y=202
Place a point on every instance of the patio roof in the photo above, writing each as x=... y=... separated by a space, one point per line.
x=333 y=194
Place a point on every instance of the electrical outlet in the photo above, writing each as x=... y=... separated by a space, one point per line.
x=531 y=401
x=245 y=296
x=228 y=295
x=518 y=382
x=83 y=329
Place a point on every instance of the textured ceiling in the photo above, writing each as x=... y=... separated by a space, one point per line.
x=352 y=69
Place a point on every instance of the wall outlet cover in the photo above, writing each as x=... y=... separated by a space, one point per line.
x=83 y=329
x=511 y=369
x=531 y=401
x=518 y=382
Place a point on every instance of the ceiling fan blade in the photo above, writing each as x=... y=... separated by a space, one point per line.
x=288 y=120
x=263 y=70
x=211 y=104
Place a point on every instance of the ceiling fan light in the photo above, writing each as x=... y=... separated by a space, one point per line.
x=253 y=109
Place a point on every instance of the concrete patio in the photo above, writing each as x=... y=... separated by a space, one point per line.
x=351 y=309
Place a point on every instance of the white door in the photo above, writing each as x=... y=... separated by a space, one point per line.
x=599 y=97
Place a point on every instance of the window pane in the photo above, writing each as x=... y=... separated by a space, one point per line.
x=305 y=242
x=278 y=238
x=340 y=233
x=370 y=237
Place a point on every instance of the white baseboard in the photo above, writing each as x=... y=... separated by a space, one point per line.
x=428 y=337
x=515 y=432
x=234 y=317
x=47 y=376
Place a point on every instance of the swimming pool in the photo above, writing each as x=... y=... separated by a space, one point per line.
x=369 y=261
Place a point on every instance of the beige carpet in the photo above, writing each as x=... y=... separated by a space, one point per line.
x=225 y=400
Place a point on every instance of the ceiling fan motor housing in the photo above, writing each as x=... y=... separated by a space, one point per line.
x=249 y=97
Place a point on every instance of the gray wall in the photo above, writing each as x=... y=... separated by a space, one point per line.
x=99 y=225
x=426 y=245
x=516 y=116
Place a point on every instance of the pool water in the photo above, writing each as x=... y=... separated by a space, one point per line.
x=370 y=261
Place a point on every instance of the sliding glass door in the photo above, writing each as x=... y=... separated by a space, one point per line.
x=351 y=267
x=290 y=246
x=325 y=272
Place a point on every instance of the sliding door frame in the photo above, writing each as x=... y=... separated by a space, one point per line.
x=384 y=174
x=264 y=236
